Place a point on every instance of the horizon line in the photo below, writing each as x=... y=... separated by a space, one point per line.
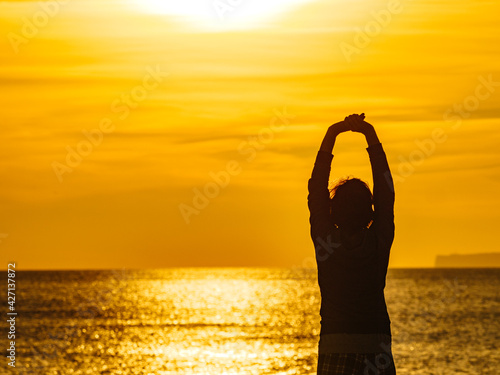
x=223 y=267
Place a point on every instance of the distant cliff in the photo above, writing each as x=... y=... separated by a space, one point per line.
x=490 y=260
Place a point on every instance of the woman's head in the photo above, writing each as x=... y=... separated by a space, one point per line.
x=351 y=204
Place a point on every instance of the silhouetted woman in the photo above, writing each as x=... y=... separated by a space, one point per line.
x=353 y=231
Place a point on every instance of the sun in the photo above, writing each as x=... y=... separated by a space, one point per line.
x=218 y=14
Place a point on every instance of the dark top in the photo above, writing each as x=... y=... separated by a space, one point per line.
x=352 y=277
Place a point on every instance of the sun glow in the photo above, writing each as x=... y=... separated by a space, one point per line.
x=219 y=14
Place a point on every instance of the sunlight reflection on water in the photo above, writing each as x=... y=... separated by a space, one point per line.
x=242 y=321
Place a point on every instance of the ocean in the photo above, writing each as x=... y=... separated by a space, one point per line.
x=240 y=321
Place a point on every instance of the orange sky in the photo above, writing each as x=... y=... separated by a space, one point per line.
x=216 y=84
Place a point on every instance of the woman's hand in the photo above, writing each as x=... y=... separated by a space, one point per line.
x=357 y=124
x=353 y=123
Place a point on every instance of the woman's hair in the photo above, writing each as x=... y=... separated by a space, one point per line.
x=351 y=204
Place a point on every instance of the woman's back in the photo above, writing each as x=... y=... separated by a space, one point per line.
x=352 y=281
x=352 y=242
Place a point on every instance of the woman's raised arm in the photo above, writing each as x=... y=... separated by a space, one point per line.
x=319 y=195
x=336 y=129
x=383 y=185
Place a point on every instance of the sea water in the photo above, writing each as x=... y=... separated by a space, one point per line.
x=240 y=321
